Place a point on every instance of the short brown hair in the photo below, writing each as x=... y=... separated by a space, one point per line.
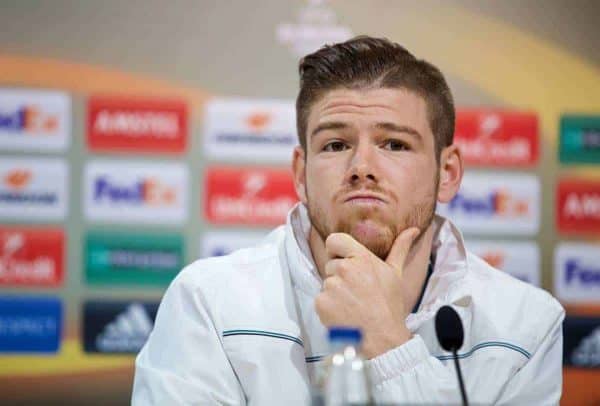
x=364 y=62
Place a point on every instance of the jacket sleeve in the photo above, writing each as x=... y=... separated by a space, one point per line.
x=410 y=374
x=540 y=380
x=183 y=362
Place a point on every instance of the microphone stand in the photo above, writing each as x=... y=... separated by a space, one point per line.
x=463 y=393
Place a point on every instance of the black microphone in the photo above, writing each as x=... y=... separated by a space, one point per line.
x=450 y=334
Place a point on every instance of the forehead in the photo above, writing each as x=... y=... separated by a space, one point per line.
x=357 y=106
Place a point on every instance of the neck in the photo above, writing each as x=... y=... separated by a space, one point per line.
x=413 y=273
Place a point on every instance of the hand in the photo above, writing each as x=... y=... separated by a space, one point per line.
x=361 y=290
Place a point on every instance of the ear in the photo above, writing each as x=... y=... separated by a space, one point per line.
x=451 y=173
x=298 y=168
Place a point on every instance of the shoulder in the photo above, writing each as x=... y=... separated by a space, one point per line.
x=514 y=308
x=240 y=287
x=218 y=274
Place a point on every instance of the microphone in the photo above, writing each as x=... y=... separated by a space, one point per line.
x=450 y=334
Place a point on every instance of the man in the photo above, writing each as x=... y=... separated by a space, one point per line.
x=363 y=248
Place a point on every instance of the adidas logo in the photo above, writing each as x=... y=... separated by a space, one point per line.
x=587 y=353
x=128 y=332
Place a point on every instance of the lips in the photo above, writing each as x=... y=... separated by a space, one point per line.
x=365 y=197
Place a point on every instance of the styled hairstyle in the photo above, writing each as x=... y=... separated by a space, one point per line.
x=365 y=62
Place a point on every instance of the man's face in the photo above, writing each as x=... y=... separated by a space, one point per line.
x=370 y=168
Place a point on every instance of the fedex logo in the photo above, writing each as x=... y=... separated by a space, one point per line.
x=576 y=272
x=139 y=192
x=497 y=138
x=145 y=191
x=496 y=203
x=29 y=119
x=578 y=205
x=34 y=120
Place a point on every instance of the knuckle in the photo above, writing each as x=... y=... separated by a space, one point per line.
x=332 y=239
x=330 y=283
x=345 y=269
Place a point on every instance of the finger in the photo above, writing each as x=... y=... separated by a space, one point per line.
x=342 y=245
x=400 y=248
x=333 y=266
x=331 y=283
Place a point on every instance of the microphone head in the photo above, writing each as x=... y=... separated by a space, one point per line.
x=449 y=329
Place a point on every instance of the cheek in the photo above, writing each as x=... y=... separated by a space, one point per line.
x=322 y=181
x=411 y=182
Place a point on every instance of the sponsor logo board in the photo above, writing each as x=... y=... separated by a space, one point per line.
x=34 y=120
x=581 y=345
x=251 y=130
x=217 y=243
x=30 y=324
x=580 y=139
x=136 y=192
x=578 y=206
x=486 y=203
x=497 y=138
x=117 y=327
x=577 y=272
x=31 y=256
x=136 y=124
x=33 y=189
x=132 y=259
x=519 y=259
x=248 y=195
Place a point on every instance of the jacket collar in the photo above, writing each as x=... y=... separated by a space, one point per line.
x=302 y=268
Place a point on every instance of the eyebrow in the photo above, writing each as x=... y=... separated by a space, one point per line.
x=330 y=125
x=387 y=126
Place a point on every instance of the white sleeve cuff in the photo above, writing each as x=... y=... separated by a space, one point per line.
x=398 y=360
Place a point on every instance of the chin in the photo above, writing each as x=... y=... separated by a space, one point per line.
x=379 y=247
x=376 y=237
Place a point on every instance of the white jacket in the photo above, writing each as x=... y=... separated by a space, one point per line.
x=242 y=329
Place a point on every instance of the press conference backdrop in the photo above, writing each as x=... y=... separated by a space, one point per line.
x=136 y=137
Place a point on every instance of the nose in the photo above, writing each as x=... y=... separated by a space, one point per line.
x=362 y=165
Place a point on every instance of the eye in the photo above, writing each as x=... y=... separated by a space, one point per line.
x=335 y=146
x=395 y=145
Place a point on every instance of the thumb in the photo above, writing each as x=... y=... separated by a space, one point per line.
x=400 y=249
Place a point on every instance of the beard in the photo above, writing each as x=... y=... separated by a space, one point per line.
x=381 y=241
